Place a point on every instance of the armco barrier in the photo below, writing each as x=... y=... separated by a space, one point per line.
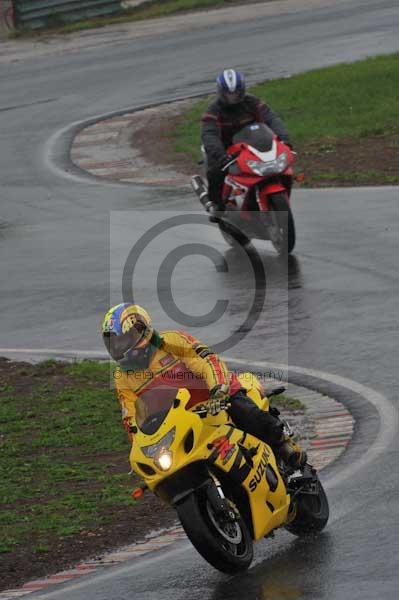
x=34 y=14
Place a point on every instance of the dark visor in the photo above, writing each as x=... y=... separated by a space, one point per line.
x=233 y=97
x=118 y=345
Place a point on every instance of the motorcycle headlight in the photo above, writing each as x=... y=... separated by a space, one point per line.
x=163 y=459
x=282 y=162
x=163 y=444
x=273 y=166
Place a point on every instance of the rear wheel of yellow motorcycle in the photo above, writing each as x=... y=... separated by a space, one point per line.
x=311 y=513
x=227 y=547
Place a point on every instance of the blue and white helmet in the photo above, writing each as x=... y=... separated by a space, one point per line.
x=231 y=86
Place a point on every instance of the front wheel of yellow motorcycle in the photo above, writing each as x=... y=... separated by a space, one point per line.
x=225 y=544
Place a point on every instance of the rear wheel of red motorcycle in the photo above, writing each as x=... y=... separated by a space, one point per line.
x=227 y=547
x=311 y=513
x=282 y=233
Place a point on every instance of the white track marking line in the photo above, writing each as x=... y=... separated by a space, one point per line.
x=124 y=569
x=388 y=414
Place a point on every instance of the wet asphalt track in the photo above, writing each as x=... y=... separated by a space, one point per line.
x=334 y=307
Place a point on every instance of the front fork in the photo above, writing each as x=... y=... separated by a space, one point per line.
x=263 y=193
x=219 y=502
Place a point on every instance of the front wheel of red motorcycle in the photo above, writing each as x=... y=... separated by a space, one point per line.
x=282 y=230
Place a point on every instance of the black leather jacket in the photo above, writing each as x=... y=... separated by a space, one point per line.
x=220 y=122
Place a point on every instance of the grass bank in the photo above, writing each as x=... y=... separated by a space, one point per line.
x=65 y=488
x=61 y=443
x=343 y=121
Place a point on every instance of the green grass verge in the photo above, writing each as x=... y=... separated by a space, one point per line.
x=356 y=100
x=287 y=403
x=62 y=444
x=322 y=108
x=150 y=10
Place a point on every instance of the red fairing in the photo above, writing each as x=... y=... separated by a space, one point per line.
x=258 y=179
x=243 y=178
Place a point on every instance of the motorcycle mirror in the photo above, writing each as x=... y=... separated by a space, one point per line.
x=300 y=178
x=276 y=391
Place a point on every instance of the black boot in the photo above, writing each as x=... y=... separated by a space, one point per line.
x=290 y=452
x=200 y=188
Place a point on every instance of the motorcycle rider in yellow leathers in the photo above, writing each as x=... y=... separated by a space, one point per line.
x=148 y=360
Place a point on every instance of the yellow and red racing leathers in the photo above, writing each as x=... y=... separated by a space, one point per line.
x=181 y=360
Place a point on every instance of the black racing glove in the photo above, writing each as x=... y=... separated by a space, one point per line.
x=225 y=160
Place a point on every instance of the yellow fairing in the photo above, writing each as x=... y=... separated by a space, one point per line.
x=185 y=424
x=213 y=439
x=269 y=503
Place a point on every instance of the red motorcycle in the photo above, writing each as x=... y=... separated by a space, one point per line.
x=256 y=191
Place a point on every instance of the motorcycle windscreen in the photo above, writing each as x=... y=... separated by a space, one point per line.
x=152 y=407
x=257 y=135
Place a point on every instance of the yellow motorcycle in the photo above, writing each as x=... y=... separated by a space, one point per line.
x=227 y=487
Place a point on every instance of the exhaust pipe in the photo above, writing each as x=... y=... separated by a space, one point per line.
x=200 y=188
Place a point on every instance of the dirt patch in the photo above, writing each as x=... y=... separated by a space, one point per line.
x=126 y=526
x=155 y=141
x=149 y=135
x=372 y=160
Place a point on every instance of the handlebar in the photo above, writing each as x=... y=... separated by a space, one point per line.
x=203 y=408
x=232 y=161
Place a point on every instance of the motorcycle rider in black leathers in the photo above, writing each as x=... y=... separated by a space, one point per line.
x=232 y=110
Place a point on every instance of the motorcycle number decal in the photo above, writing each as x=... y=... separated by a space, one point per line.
x=260 y=471
x=225 y=450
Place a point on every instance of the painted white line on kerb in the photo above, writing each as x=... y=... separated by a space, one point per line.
x=56 y=352
x=388 y=414
x=50 y=151
x=126 y=568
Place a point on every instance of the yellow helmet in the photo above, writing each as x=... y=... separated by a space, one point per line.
x=126 y=329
